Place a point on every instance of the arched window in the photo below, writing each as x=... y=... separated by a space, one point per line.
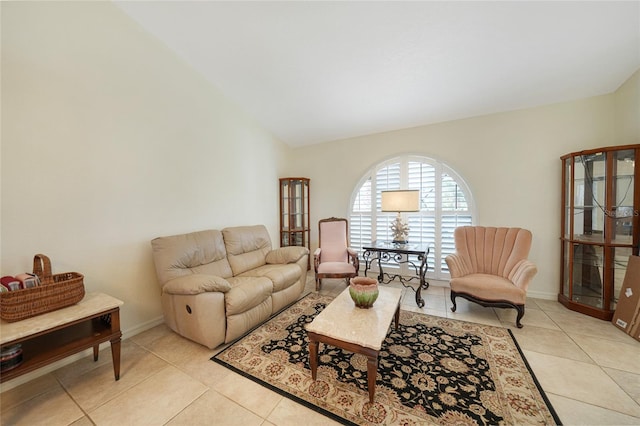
x=445 y=203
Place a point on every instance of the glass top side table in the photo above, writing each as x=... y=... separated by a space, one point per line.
x=383 y=251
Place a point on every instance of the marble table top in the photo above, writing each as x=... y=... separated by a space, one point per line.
x=91 y=304
x=342 y=320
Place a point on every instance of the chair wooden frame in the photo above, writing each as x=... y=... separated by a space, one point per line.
x=352 y=255
x=489 y=304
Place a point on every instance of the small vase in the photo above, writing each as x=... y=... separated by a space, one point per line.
x=363 y=291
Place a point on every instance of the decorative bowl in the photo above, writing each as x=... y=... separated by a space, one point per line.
x=363 y=291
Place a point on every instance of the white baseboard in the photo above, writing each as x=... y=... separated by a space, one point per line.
x=75 y=357
x=542 y=295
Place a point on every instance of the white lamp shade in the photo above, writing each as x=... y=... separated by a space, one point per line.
x=401 y=201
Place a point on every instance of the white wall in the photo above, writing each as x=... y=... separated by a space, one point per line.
x=627 y=111
x=510 y=160
x=109 y=140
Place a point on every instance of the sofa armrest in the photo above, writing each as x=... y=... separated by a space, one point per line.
x=284 y=255
x=196 y=284
x=522 y=274
x=457 y=266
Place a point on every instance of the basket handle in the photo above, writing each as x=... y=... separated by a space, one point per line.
x=42 y=267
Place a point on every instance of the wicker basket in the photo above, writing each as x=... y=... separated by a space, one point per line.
x=55 y=292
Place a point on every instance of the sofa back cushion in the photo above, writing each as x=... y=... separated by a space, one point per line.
x=489 y=250
x=247 y=247
x=201 y=252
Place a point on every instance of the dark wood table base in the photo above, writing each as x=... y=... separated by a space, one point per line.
x=371 y=354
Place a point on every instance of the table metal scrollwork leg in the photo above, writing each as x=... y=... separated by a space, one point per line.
x=423 y=282
x=400 y=257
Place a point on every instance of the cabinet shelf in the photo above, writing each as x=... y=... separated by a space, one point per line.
x=597 y=239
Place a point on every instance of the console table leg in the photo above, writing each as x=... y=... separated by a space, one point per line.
x=96 y=351
x=115 y=354
x=114 y=321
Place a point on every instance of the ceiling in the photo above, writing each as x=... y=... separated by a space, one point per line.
x=312 y=72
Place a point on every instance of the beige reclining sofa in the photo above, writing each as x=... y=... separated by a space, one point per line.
x=217 y=285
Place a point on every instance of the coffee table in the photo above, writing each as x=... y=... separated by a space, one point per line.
x=357 y=330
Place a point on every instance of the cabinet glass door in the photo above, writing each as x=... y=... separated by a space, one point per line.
x=589 y=197
x=622 y=210
x=588 y=267
x=284 y=204
x=568 y=212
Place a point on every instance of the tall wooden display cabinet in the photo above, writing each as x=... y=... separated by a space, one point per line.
x=600 y=226
x=294 y=212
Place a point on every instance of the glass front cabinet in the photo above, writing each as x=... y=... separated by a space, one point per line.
x=294 y=212
x=600 y=226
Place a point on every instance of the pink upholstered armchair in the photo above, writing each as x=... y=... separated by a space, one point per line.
x=490 y=267
x=333 y=258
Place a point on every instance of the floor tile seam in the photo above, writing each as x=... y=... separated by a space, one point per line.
x=601 y=368
x=630 y=342
x=265 y=418
x=84 y=412
x=593 y=405
x=51 y=390
x=145 y=379
x=595 y=362
x=87 y=410
x=627 y=393
x=31 y=395
x=145 y=346
x=190 y=404
x=557 y=324
x=281 y=398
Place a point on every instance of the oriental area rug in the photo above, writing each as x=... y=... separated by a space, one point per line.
x=431 y=371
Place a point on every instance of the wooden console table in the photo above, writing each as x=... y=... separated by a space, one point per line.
x=56 y=335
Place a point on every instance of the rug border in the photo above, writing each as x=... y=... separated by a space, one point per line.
x=334 y=416
x=546 y=400
x=269 y=386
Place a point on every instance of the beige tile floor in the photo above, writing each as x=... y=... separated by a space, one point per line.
x=589 y=370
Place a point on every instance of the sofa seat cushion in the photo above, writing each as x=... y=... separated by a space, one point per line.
x=246 y=293
x=336 y=268
x=488 y=287
x=282 y=276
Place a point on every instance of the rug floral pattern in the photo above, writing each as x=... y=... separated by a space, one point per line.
x=431 y=370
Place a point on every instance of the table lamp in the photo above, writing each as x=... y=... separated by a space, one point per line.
x=400 y=201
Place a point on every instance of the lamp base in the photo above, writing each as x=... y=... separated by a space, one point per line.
x=400 y=230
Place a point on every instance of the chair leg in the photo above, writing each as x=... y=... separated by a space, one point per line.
x=318 y=283
x=520 y=309
x=453 y=301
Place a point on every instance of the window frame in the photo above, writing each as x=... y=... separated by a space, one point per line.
x=437 y=267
